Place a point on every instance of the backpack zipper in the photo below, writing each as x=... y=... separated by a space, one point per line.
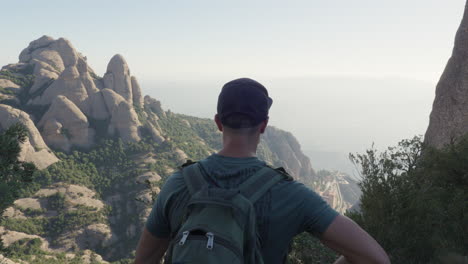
x=185 y=235
x=210 y=243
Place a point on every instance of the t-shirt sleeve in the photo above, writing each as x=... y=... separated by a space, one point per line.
x=158 y=222
x=318 y=215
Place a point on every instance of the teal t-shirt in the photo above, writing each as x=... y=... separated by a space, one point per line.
x=286 y=210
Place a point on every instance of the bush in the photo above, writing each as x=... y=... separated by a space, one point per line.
x=414 y=200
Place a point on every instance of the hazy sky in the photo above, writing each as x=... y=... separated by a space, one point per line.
x=264 y=39
x=343 y=73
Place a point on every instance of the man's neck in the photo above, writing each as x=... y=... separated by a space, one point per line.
x=238 y=148
x=236 y=154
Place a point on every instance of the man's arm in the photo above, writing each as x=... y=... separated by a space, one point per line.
x=347 y=238
x=150 y=249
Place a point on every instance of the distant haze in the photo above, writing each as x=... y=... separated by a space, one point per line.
x=330 y=116
x=343 y=74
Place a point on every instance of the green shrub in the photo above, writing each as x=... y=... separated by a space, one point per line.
x=414 y=200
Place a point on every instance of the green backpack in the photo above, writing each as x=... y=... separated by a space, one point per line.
x=219 y=225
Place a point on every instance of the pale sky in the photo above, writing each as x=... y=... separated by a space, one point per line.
x=211 y=39
x=343 y=74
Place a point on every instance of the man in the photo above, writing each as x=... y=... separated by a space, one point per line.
x=287 y=209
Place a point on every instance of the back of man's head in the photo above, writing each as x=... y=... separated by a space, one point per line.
x=243 y=105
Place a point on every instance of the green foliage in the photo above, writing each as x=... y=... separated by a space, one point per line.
x=6 y=91
x=308 y=249
x=30 y=250
x=184 y=137
x=414 y=200
x=26 y=247
x=14 y=174
x=206 y=129
x=32 y=226
x=24 y=81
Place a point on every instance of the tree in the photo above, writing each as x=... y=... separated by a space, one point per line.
x=14 y=174
x=414 y=200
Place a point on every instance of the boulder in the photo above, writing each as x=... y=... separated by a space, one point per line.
x=125 y=122
x=75 y=195
x=154 y=105
x=12 y=212
x=97 y=107
x=34 y=148
x=449 y=116
x=44 y=75
x=10 y=237
x=4 y=83
x=60 y=70
x=96 y=235
x=5 y=260
x=42 y=42
x=136 y=92
x=117 y=78
x=68 y=84
x=50 y=57
x=90 y=257
x=186 y=123
x=111 y=99
x=66 y=51
x=155 y=133
x=69 y=122
x=30 y=203
x=180 y=155
x=148 y=176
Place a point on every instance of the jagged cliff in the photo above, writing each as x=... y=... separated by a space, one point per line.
x=105 y=149
x=449 y=117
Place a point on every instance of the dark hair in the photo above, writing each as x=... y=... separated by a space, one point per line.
x=239 y=121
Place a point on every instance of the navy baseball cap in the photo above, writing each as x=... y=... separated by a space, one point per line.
x=244 y=96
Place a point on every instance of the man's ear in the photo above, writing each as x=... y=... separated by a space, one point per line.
x=218 y=123
x=263 y=126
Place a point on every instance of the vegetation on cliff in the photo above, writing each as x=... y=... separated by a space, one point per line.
x=414 y=200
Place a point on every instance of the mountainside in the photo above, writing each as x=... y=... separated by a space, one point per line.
x=338 y=189
x=449 y=117
x=104 y=150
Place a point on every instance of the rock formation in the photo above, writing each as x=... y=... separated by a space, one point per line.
x=76 y=99
x=64 y=125
x=449 y=117
x=287 y=150
x=118 y=78
x=34 y=148
x=154 y=105
x=136 y=93
x=124 y=120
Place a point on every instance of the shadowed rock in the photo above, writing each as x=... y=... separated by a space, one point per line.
x=449 y=117
x=64 y=126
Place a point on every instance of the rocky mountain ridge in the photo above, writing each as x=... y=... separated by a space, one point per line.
x=104 y=151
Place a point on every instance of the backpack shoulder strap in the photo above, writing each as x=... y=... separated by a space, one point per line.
x=193 y=177
x=260 y=182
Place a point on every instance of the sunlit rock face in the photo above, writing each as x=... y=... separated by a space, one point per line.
x=449 y=117
x=72 y=100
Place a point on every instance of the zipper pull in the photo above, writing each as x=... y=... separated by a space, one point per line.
x=210 y=237
x=184 y=237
